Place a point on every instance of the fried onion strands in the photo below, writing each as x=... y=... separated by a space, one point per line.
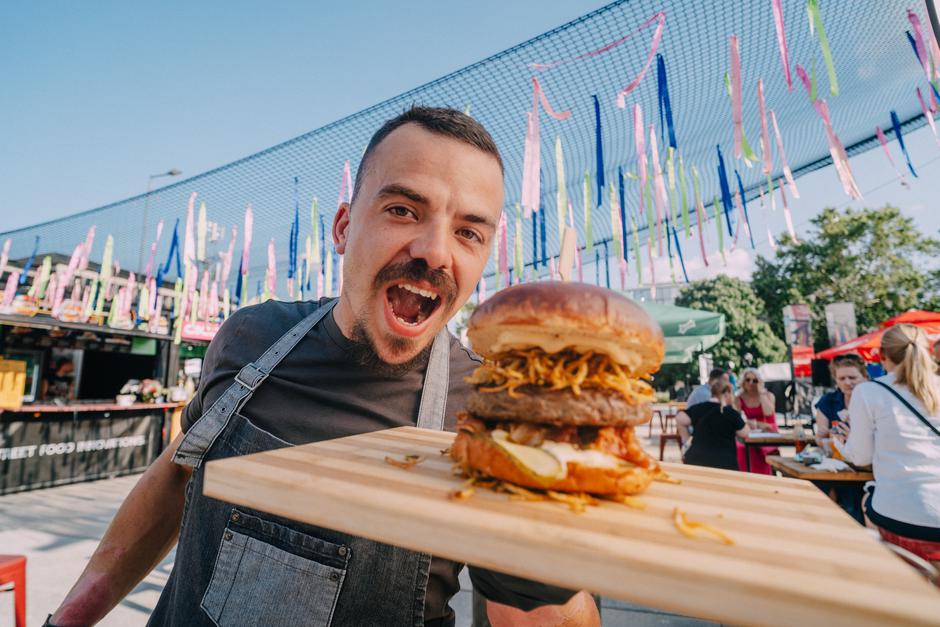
x=559 y=371
x=408 y=463
x=690 y=528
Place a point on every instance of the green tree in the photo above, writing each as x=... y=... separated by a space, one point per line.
x=746 y=330
x=875 y=258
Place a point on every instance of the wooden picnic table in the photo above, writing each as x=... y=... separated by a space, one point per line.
x=796 y=557
x=781 y=438
x=789 y=467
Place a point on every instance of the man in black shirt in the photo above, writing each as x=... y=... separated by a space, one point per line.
x=416 y=238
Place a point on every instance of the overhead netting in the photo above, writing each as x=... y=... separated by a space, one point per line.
x=596 y=55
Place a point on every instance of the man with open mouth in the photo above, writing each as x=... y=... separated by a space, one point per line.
x=415 y=239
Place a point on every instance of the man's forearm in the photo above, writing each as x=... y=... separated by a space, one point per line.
x=143 y=531
x=579 y=611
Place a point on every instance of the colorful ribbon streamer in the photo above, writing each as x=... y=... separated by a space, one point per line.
x=588 y=214
x=561 y=193
x=599 y=149
x=764 y=132
x=201 y=226
x=721 y=232
x=927 y=115
x=884 y=146
x=787 y=215
x=293 y=237
x=812 y=7
x=675 y=237
x=783 y=157
x=725 y=188
x=660 y=198
x=741 y=146
x=743 y=206
x=919 y=48
x=700 y=213
x=665 y=106
x=686 y=224
x=532 y=155
x=639 y=138
x=189 y=236
x=896 y=125
x=29 y=261
x=782 y=43
x=654 y=45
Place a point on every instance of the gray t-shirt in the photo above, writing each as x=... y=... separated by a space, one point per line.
x=700 y=394
x=321 y=391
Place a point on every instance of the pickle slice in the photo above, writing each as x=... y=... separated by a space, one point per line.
x=537 y=462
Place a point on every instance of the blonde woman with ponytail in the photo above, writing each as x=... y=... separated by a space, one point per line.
x=895 y=427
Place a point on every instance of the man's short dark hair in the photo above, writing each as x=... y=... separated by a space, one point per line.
x=440 y=120
x=716 y=374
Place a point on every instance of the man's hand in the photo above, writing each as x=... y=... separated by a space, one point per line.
x=143 y=531
x=579 y=611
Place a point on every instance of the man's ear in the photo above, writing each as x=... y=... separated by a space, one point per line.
x=341 y=227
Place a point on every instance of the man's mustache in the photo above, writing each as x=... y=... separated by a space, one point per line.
x=417 y=270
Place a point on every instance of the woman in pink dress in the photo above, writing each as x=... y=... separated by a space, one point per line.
x=757 y=406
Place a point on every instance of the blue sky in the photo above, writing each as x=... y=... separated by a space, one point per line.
x=98 y=96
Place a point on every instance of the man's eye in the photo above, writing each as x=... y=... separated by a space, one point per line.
x=401 y=212
x=470 y=234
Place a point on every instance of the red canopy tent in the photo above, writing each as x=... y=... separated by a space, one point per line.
x=869 y=345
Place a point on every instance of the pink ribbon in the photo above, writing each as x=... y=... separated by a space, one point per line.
x=227 y=258
x=782 y=43
x=786 y=213
x=928 y=115
x=623 y=273
x=764 y=133
x=204 y=296
x=189 y=242
x=839 y=157
x=736 y=114
x=919 y=42
x=783 y=157
x=654 y=45
x=5 y=255
x=884 y=146
x=345 y=186
x=272 y=269
x=481 y=293
x=530 y=196
x=153 y=249
x=86 y=251
x=213 y=308
x=246 y=246
x=503 y=248
x=551 y=270
x=770 y=236
x=10 y=290
x=660 y=199
x=639 y=136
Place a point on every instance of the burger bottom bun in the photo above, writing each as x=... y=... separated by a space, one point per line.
x=482 y=454
x=593 y=408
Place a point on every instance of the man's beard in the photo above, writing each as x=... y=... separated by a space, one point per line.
x=364 y=350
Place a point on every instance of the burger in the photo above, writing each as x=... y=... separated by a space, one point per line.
x=565 y=381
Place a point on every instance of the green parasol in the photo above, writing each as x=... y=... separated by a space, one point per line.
x=687 y=331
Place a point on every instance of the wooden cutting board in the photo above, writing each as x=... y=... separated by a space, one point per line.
x=797 y=557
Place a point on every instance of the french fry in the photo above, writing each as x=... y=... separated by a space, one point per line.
x=690 y=528
x=409 y=462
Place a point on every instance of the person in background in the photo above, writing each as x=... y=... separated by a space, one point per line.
x=732 y=378
x=703 y=392
x=716 y=423
x=936 y=351
x=847 y=372
x=896 y=428
x=757 y=405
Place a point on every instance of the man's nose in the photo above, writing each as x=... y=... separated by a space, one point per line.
x=433 y=246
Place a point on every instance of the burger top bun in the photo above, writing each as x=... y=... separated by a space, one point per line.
x=555 y=315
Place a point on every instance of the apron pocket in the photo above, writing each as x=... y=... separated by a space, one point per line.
x=268 y=574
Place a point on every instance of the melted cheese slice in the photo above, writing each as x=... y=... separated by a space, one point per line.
x=550 y=459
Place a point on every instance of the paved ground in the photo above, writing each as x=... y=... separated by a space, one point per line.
x=58 y=529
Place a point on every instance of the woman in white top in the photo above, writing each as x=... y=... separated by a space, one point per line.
x=895 y=426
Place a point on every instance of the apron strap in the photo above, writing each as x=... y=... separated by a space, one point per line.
x=204 y=432
x=433 y=405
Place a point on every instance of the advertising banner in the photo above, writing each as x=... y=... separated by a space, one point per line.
x=840 y=323
x=45 y=452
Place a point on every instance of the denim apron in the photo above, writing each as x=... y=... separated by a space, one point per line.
x=238 y=566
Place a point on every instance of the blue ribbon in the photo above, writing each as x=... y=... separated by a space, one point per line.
x=725 y=190
x=910 y=39
x=747 y=218
x=238 y=282
x=542 y=237
x=896 y=123
x=322 y=244
x=607 y=264
x=597 y=266
x=535 y=238
x=258 y=293
x=600 y=151
x=675 y=236
x=294 y=233
x=665 y=108
x=668 y=239
x=623 y=212
x=174 y=248
x=29 y=262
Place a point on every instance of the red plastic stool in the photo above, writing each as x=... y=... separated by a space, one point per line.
x=13 y=570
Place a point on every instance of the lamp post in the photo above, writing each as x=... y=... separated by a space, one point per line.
x=143 y=228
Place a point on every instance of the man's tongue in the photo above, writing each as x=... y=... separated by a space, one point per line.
x=409 y=307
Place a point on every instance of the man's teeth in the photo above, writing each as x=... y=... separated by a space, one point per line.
x=418 y=290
